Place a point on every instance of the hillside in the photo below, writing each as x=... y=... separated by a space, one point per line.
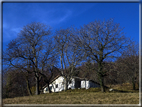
x=80 y=96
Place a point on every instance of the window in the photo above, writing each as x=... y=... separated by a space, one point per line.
x=70 y=81
x=50 y=87
x=56 y=85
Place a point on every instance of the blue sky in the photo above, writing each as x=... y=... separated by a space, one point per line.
x=63 y=15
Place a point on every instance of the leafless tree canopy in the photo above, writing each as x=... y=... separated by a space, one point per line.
x=102 y=40
x=32 y=50
x=69 y=53
x=99 y=48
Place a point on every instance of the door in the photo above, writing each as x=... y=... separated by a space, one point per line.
x=78 y=84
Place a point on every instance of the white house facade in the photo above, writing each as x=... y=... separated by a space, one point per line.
x=58 y=84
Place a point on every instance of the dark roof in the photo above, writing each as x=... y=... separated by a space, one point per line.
x=55 y=78
x=86 y=79
x=52 y=80
x=94 y=82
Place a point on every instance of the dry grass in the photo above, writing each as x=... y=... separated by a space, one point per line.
x=79 y=96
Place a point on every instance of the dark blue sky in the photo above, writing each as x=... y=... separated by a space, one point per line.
x=63 y=15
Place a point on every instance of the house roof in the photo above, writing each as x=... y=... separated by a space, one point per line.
x=87 y=79
x=55 y=78
x=52 y=80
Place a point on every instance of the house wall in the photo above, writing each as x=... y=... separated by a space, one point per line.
x=85 y=84
x=45 y=90
x=88 y=84
x=60 y=82
x=61 y=85
x=72 y=84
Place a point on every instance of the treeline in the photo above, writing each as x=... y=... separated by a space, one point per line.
x=99 y=51
x=17 y=83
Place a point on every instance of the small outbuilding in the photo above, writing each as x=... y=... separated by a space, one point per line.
x=58 y=84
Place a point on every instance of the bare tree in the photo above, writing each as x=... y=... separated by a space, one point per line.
x=28 y=49
x=48 y=63
x=128 y=64
x=69 y=53
x=61 y=39
x=101 y=40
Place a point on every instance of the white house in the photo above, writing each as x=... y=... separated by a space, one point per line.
x=58 y=84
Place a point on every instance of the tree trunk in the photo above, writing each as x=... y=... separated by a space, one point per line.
x=66 y=84
x=37 y=85
x=28 y=87
x=102 y=84
x=48 y=88
x=133 y=82
x=100 y=75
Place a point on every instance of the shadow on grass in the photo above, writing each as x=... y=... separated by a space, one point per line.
x=125 y=91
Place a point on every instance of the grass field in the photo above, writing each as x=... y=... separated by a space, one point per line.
x=80 y=96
